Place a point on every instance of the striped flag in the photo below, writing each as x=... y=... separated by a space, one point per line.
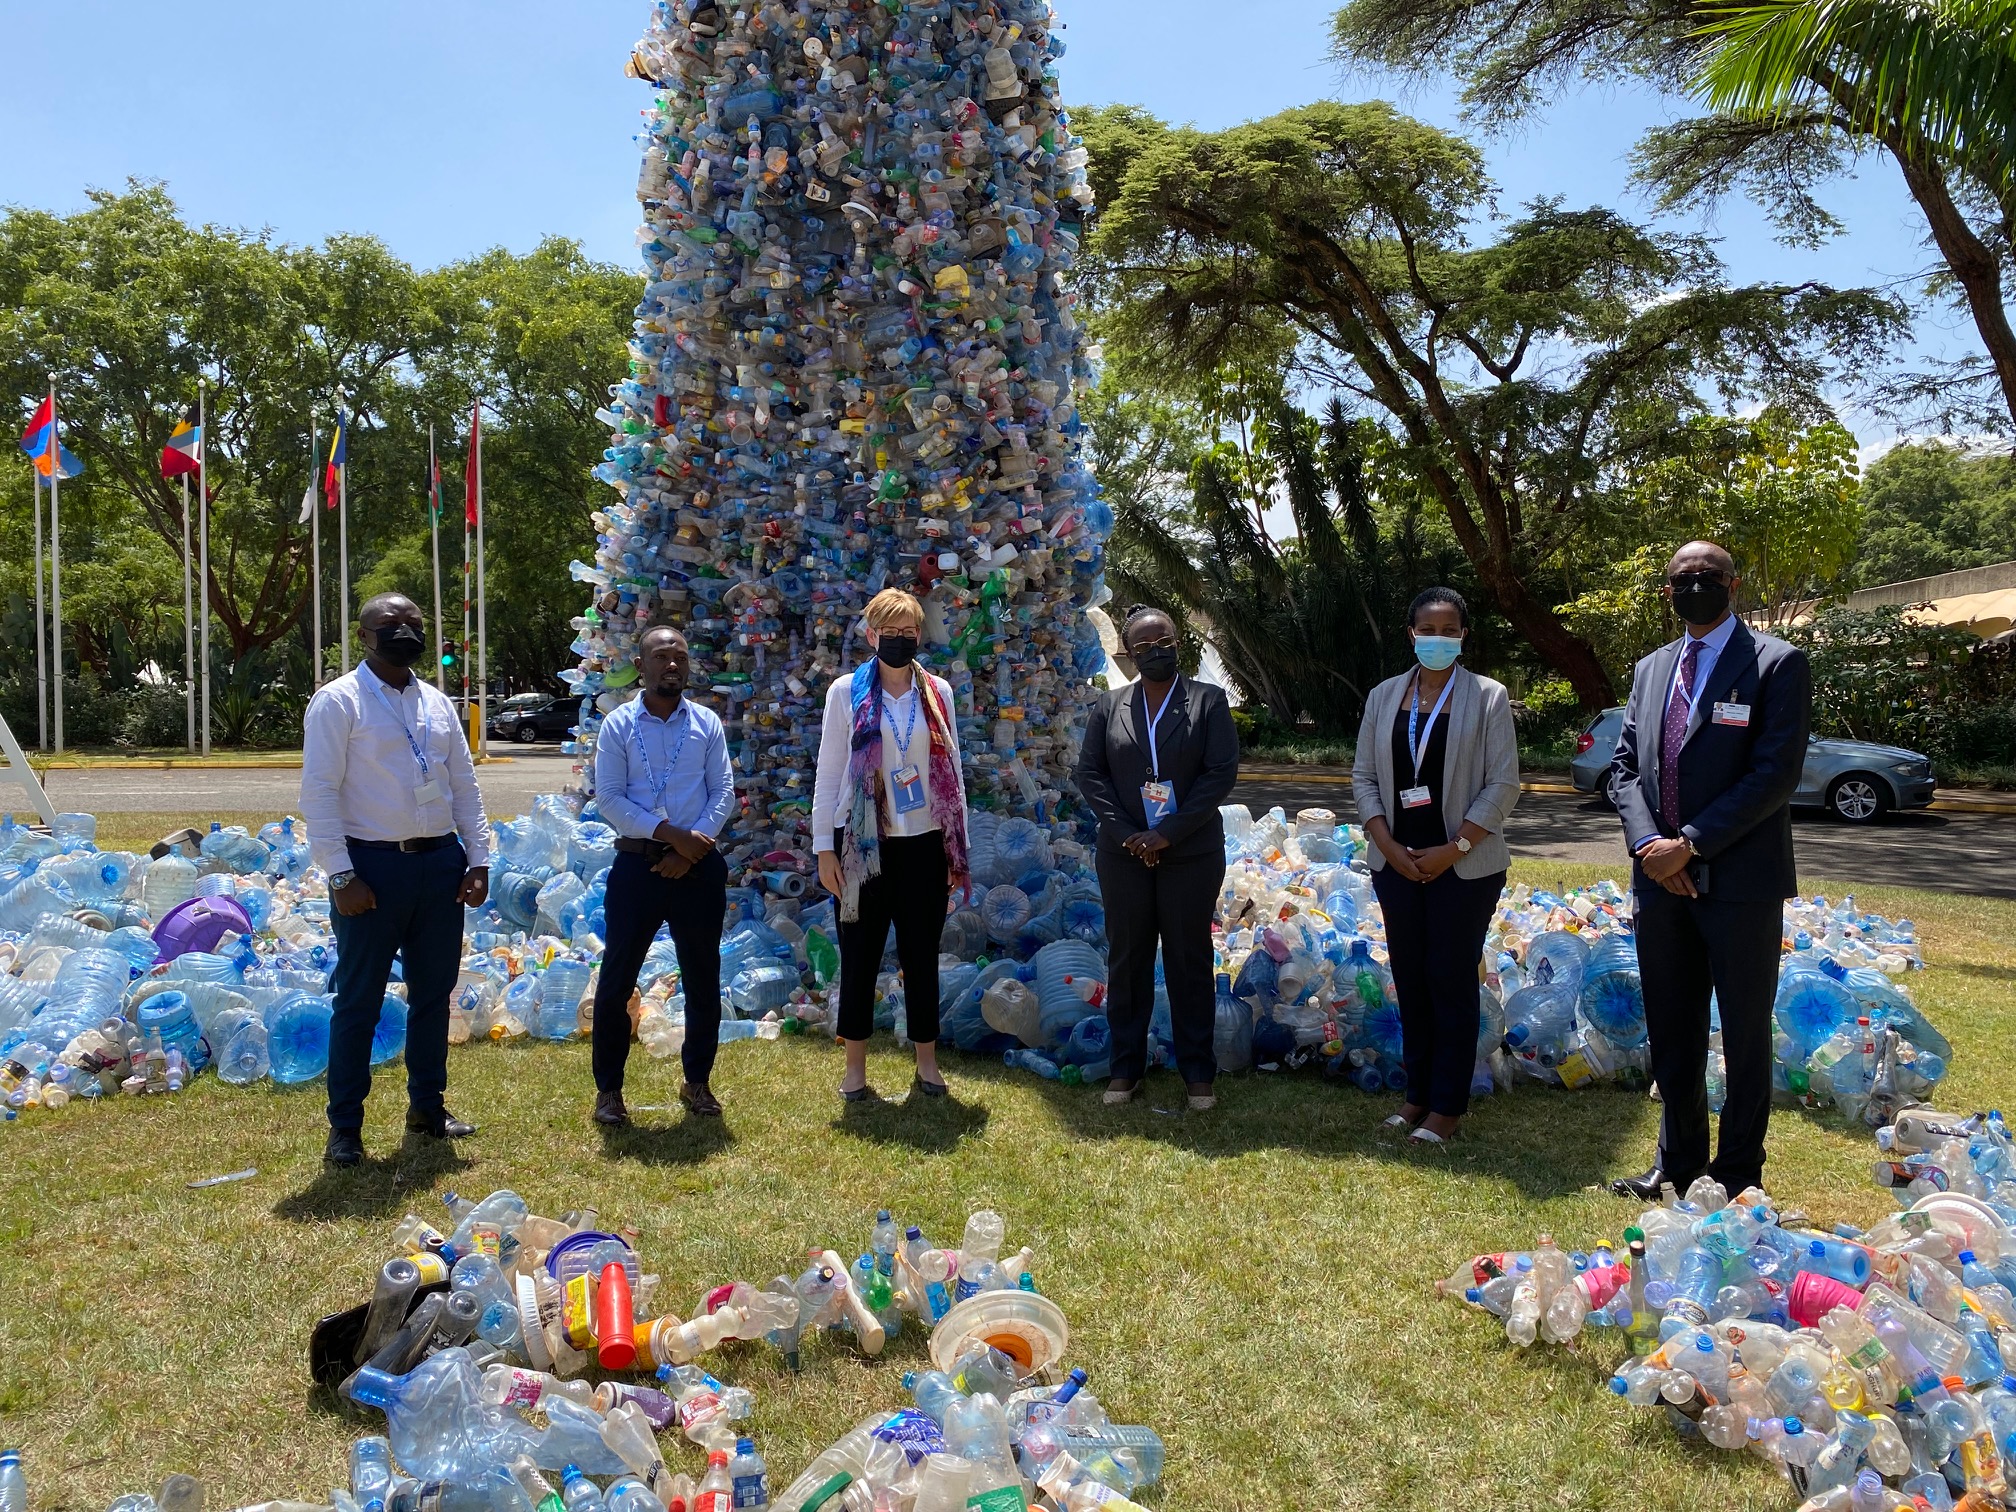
x=339 y=458
x=434 y=491
x=44 y=446
x=471 y=479
x=178 y=457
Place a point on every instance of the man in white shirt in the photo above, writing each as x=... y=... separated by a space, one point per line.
x=396 y=821
x=663 y=782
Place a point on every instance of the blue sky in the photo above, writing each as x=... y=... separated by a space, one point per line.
x=447 y=126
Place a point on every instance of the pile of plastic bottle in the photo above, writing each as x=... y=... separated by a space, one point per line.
x=1874 y=1368
x=478 y=1345
x=1303 y=978
x=853 y=367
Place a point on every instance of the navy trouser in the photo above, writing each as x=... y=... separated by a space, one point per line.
x=692 y=907
x=1170 y=903
x=418 y=919
x=1434 y=938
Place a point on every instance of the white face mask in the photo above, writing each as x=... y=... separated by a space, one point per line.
x=1437 y=652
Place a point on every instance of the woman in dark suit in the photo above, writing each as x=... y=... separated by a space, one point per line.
x=1160 y=755
x=1437 y=772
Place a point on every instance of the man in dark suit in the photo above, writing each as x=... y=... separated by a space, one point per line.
x=1711 y=750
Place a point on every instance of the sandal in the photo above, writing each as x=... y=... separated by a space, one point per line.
x=700 y=1101
x=1427 y=1136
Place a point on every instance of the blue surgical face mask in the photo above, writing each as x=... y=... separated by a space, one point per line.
x=1437 y=652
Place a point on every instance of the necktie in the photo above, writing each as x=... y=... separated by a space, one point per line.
x=1673 y=735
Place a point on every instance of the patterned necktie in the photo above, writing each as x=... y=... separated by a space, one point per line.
x=1673 y=735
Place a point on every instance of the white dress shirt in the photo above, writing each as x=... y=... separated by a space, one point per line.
x=361 y=779
x=831 y=801
x=687 y=753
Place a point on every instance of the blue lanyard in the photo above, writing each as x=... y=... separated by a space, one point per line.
x=419 y=755
x=1154 y=759
x=1414 y=748
x=658 y=784
x=909 y=725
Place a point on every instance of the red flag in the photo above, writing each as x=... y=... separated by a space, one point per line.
x=37 y=423
x=471 y=479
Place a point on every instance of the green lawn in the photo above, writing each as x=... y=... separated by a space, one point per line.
x=1253 y=1282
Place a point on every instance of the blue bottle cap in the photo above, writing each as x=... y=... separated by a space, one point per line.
x=745 y=1446
x=1794 y=1427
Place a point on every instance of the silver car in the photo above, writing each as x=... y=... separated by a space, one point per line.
x=1851 y=779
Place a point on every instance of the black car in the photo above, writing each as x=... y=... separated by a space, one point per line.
x=529 y=717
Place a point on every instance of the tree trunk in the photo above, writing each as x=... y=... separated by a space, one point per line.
x=1974 y=265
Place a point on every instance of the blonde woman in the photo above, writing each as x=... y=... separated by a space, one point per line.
x=889 y=823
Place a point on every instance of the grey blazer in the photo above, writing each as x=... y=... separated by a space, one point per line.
x=1480 y=778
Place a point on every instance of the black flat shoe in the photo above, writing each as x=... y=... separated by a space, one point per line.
x=860 y=1095
x=345 y=1148
x=609 y=1110
x=441 y=1125
x=1646 y=1188
x=930 y=1088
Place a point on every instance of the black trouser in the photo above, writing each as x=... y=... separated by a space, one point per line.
x=1434 y=938
x=910 y=892
x=1171 y=904
x=1688 y=947
x=419 y=919
x=693 y=908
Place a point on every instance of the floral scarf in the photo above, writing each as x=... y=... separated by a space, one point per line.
x=861 y=840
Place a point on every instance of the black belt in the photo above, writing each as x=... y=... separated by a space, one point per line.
x=423 y=843
x=642 y=847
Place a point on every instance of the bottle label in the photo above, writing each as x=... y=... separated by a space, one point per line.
x=431 y=1266
x=752 y=1490
x=1002 y=1499
x=526 y=1387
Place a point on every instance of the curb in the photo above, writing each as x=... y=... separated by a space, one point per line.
x=170 y=764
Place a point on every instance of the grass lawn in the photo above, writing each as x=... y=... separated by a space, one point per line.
x=1254 y=1282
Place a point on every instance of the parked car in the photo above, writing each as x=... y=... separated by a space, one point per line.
x=528 y=717
x=1853 y=780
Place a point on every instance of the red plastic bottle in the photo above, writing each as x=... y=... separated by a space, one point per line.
x=617 y=1347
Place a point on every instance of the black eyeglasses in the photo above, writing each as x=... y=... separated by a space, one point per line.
x=1679 y=582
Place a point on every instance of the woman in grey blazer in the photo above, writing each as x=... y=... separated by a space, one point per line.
x=1437 y=772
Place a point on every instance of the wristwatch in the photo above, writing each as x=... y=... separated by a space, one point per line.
x=1463 y=845
x=341 y=880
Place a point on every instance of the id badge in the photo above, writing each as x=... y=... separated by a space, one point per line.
x=1733 y=714
x=909 y=789
x=431 y=791
x=1416 y=797
x=1158 y=802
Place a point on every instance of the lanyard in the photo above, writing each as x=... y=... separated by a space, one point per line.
x=1415 y=749
x=909 y=725
x=1155 y=760
x=658 y=784
x=1700 y=678
x=419 y=755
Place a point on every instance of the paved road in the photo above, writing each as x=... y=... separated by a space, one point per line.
x=1969 y=853
x=508 y=787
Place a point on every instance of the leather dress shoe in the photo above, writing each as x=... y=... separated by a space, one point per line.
x=1646 y=1188
x=345 y=1148
x=609 y=1110
x=438 y=1125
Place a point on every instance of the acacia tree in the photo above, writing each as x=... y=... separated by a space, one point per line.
x=1799 y=88
x=1514 y=376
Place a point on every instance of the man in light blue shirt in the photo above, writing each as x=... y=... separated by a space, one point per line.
x=664 y=784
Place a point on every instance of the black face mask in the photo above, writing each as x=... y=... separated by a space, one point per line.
x=1699 y=598
x=896 y=650
x=401 y=645
x=1156 y=663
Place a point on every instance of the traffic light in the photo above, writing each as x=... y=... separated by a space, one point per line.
x=451 y=652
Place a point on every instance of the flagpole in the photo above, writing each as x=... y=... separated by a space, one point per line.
x=315 y=535
x=343 y=540
x=41 y=623
x=56 y=554
x=188 y=627
x=434 y=523
x=482 y=608
x=203 y=547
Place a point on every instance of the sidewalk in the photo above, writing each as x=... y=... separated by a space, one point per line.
x=235 y=761
x=1945 y=800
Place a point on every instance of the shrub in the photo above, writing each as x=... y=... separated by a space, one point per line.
x=156 y=714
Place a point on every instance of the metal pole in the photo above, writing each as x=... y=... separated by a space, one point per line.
x=188 y=626
x=203 y=547
x=41 y=623
x=315 y=535
x=482 y=612
x=56 y=555
x=434 y=526
x=343 y=541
